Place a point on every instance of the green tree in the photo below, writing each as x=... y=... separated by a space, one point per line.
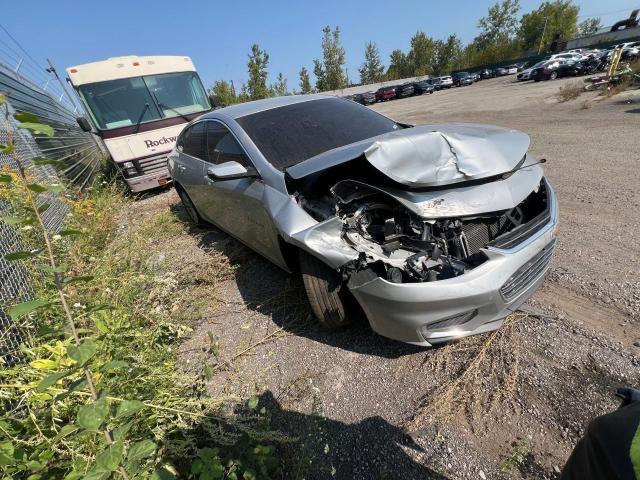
x=560 y=17
x=244 y=96
x=421 y=57
x=257 y=65
x=225 y=92
x=497 y=39
x=589 y=26
x=329 y=73
x=500 y=25
x=372 y=70
x=448 y=55
x=398 y=65
x=305 y=83
x=280 y=88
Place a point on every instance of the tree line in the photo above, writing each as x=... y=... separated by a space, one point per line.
x=504 y=35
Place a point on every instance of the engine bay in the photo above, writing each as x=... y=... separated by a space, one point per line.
x=402 y=247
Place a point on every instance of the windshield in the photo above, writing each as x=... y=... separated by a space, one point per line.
x=290 y=134
x=129 y=101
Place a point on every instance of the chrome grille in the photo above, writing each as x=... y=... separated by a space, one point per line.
x=152 y=165
x=527 y=273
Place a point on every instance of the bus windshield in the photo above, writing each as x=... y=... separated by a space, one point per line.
x=130 y=101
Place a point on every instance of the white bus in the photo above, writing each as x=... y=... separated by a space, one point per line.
x=138 y=106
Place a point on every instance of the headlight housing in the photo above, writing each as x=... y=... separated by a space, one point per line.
x=129 y=169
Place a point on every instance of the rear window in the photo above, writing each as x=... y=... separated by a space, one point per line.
x=290 y=134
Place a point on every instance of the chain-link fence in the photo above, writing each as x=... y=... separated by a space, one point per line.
x=32 y=88
x=15 y=285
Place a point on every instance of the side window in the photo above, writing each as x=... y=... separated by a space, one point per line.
x=223 y=147
x=183 y=139
x=194 y=142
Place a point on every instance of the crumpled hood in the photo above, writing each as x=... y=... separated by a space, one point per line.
x=431 y=155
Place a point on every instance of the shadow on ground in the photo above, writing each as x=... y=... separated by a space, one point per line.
x=268 y=290
x=372 y=449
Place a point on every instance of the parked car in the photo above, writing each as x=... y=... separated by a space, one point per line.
x=461 y=79
x=446 y=81
x=386 y=93
x=422 y=87
x=366 y=98
x=487 y=73
x=404 y=90
x=501 y=71
x=566 y=56
x=554 y=69
x=432 y=232
x=475 y=76
x=436 y=82
x=526 y=74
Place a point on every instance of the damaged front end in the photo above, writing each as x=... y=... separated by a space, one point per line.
x=401 y=246
x=431 y=260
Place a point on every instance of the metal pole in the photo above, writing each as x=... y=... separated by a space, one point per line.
x=543 y=32
x=52 y=69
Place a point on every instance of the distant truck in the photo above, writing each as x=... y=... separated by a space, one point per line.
x=139 y=106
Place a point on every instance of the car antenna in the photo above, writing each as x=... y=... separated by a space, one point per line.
x=520 y=167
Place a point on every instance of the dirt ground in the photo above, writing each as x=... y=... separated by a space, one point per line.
x=506 y=405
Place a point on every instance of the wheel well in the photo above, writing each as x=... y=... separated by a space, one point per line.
x=290 y=255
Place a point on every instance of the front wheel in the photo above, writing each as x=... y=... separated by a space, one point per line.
x=553 y=75
x=327 y=294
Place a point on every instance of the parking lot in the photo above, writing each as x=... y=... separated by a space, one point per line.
x=367 y=407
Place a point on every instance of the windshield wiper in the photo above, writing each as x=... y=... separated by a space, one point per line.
x=144 y=110
x=162 y=105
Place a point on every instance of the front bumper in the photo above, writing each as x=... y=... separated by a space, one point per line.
x=147 y=182
x=422 y=313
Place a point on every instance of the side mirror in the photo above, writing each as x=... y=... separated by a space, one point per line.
x=84 y=124
x=214 y=100
x=228 y=171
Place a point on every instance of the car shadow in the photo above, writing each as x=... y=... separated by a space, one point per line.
x=319 y=447
x=270 y=291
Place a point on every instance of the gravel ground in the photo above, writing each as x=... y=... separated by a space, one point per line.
x=508 y=404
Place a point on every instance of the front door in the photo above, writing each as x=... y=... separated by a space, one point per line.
x=236 y=205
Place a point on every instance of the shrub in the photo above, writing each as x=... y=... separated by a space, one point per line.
x=570 y=91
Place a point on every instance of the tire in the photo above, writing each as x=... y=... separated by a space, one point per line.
x=327 y=294
x=553 y=75
x=194 y=216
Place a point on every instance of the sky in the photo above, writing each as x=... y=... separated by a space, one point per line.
x=218 y=35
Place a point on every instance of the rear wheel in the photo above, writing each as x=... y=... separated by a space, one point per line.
x=553 y=75
x=327 y=294
x=194 y=216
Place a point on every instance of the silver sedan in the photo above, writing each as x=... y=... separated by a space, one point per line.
x=433 y=232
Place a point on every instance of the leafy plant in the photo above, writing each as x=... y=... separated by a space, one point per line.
x=97 y=394
x=517 y=457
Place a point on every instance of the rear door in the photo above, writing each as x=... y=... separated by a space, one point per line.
x=236 y=205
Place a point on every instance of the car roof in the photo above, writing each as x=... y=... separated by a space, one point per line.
x=242 y=109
